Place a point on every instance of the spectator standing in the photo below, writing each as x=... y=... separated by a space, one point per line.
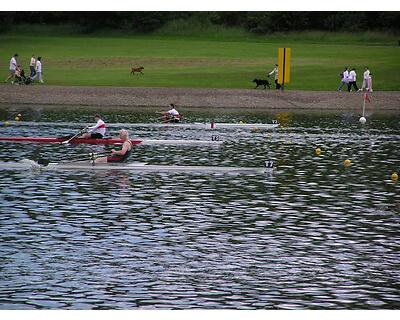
x=352 y=80
x=32 y=66
x=13 y=68
x=344 y=78
x=365 y=79
x=369 y=83
x=38 y=70
x=274 y=72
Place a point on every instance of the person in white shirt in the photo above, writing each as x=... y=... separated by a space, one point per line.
x=274 y=72
x=98 y=131
x=344 y=78
x=38 y=70
x=352 y=80
x=365 y=80
x=172 y=115
x=369 y=82
x=13 y=68
x=32 y=66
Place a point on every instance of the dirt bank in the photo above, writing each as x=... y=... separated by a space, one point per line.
x=220 y=98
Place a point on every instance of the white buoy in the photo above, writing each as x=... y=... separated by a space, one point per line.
x=362 y=120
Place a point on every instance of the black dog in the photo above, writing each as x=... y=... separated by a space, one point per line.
x=260 y=82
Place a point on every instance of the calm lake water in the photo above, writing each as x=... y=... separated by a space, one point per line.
x=312 y=234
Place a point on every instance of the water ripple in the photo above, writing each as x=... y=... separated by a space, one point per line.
x=312 y=235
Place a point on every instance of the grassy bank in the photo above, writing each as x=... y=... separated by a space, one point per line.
x=210 y=57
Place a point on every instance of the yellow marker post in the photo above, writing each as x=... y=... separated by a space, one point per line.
x=284 y=55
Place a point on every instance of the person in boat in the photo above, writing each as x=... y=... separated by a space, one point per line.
x=172 y=115
x=98 y=131
x=122 y=155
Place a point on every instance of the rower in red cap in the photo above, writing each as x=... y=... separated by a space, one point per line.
x=98 y=131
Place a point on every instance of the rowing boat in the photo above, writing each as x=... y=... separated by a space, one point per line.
x=60 y=140
x=139 y=167
x=109 y=141
x=212 y=125
x=195 y=125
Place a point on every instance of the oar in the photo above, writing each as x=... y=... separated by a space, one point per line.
x=91 y=156
x=79 y=133
x=164 y=120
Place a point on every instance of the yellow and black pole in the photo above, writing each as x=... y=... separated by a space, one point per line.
x=284 y=55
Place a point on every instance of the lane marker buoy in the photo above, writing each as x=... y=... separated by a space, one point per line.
x=395 y=177
x=347 y=162
x=318 y=151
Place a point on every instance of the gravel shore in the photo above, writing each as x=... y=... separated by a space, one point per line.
x=189 y=97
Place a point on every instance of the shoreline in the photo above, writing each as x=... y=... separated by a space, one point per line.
x=131 y=97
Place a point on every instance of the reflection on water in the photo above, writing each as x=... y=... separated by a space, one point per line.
x=312 y=235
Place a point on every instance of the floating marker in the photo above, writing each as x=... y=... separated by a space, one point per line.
x=347 y=162
x=6 y=123
x=318 y=151
x=362 y=120
x=17 y=118
x=395 y=177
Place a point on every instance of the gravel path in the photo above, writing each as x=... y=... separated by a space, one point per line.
x=188 y=97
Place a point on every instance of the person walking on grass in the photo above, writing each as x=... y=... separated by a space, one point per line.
x=365 y=80
x=13 y=68
x=344 y=78
x=369 y=83
x=352 y=80
x=38 y=70
x=274 y=72
x=32 y=66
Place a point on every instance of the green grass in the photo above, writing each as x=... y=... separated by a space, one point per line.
x=211 y=57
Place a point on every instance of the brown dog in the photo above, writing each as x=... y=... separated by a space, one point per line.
x=138 y=70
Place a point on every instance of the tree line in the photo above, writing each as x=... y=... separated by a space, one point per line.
x=256 y=22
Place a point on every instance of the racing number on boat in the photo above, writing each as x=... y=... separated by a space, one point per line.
x=269 y=164
x=215 y=138
x=274 y=121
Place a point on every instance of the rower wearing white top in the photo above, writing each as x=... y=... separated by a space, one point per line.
x=172 y=115
x=98 y=131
